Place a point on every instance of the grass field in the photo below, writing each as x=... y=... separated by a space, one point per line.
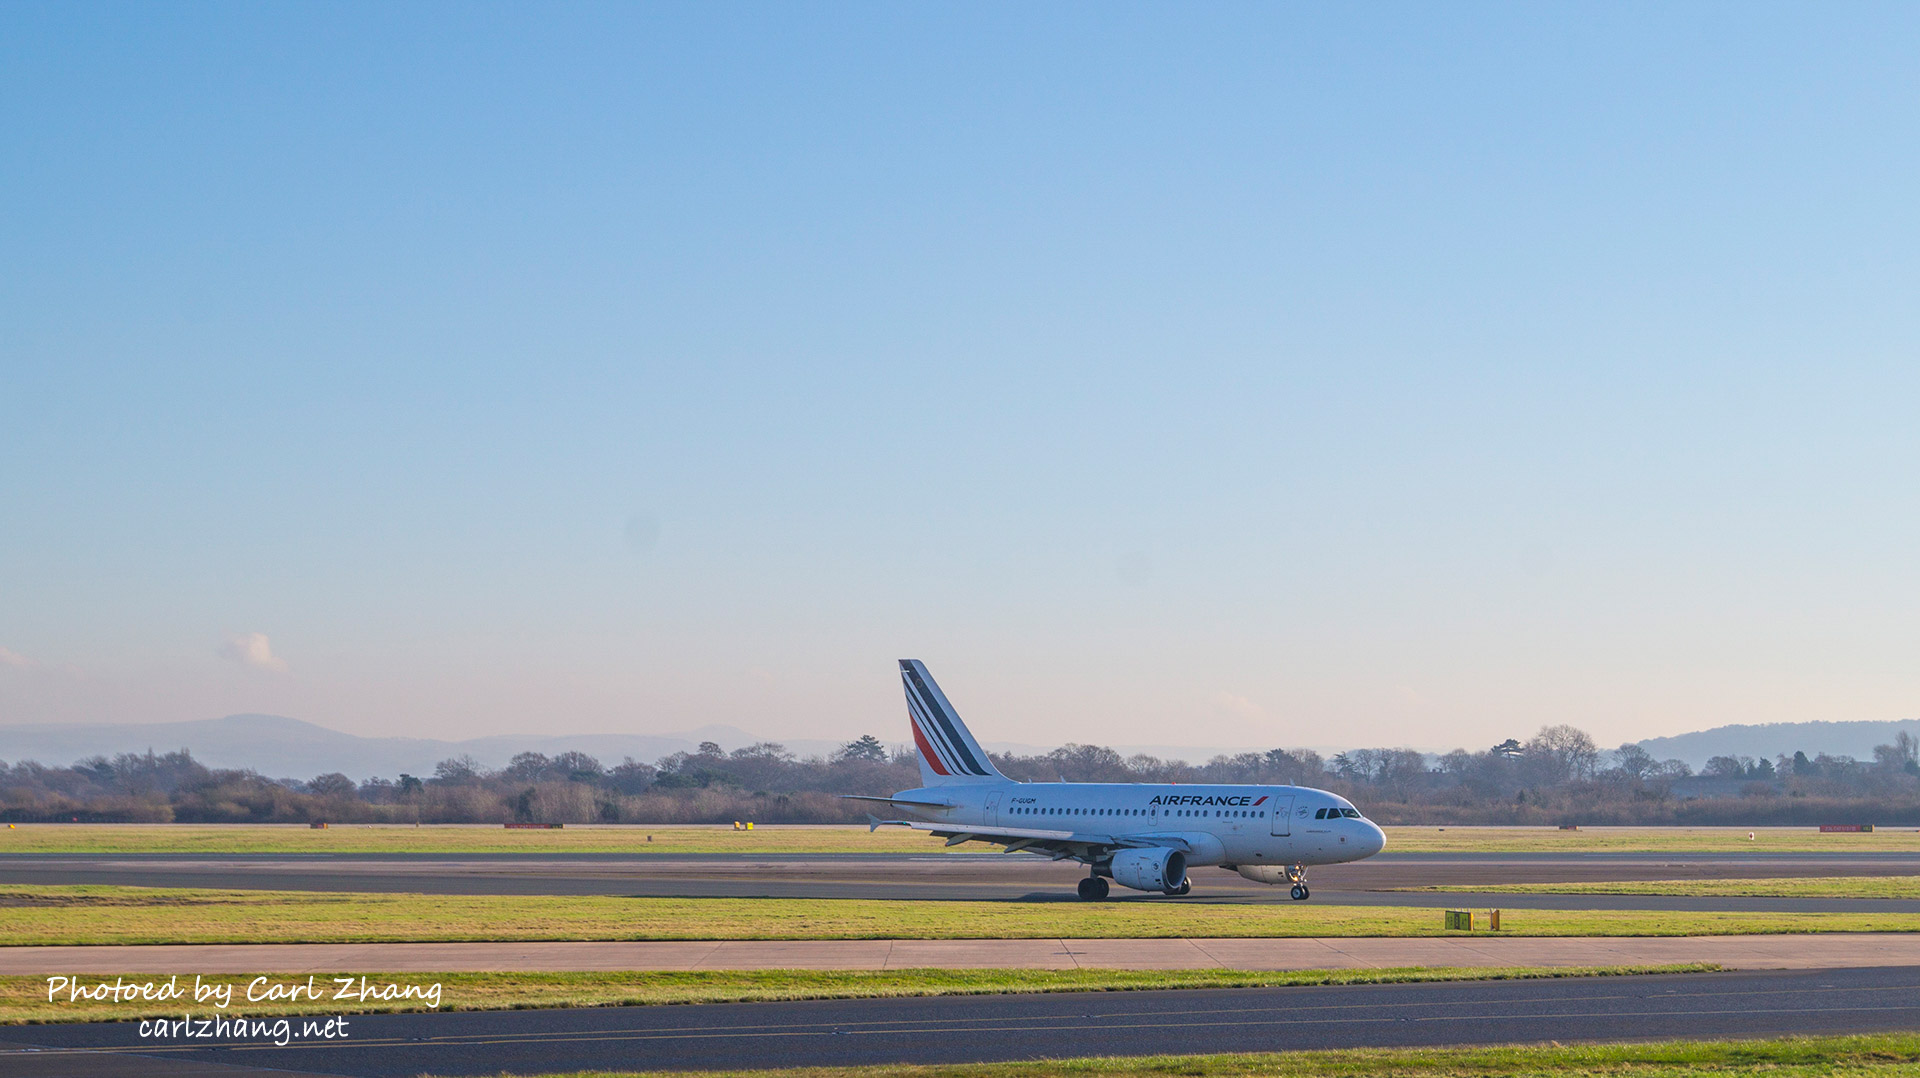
x=1785 y=887
x=252 y=838
x=108 y=915
x=454 y=838
x=1893 y=1055
x=24 y=999
x=1649 y=839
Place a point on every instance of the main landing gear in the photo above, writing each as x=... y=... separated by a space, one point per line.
x=1094 y=889
x=1298 y=874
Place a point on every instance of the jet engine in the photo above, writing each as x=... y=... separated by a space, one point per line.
x=1159 y=868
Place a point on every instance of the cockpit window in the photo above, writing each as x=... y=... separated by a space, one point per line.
x=1350 y=813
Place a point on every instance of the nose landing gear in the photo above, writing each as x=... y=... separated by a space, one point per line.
x=1298 y=874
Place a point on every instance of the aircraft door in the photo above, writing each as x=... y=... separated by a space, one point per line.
x=991 y=816
x=1282 y=814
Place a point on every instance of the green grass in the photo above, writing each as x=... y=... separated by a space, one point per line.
x=454 y=838
x=1886 y=1055
x=446 y=838
x=91 y=914
x=1648 y=840
x=24 y=999
x=1784 y=887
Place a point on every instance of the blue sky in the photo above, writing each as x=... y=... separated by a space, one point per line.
x=1403 y=374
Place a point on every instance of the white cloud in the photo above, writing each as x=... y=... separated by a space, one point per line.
x=16 y=660
x=255 y=650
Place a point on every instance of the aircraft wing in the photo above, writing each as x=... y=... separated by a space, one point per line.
x=1080 y=845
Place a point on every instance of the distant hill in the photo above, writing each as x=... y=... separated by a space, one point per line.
x=1855 y=739
x=279 y=747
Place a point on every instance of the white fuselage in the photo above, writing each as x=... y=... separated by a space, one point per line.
x=1219 y=825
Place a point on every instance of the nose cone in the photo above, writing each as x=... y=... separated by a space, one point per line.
x=1373 y=841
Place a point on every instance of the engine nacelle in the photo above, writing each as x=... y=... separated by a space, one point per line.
x=1159 y=868
x=1266 y=873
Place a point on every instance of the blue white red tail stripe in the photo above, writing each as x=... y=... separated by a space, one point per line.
x=943 y=743
x=946 y=747
x=927 y=737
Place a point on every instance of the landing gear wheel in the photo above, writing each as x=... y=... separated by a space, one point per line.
x=1299 y=893
x=1185 y=887
x=1093 y=889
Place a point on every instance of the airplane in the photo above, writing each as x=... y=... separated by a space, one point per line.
x=1140 y=835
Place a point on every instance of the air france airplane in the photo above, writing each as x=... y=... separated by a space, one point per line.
x=1139 y=835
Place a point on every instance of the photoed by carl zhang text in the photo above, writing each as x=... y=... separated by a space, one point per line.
x=216 y=998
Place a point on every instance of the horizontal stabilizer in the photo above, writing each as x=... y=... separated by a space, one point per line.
x=910 y=802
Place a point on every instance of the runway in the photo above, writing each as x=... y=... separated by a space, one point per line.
x=1817 y=951
x=964 y=876
x=987 y=1028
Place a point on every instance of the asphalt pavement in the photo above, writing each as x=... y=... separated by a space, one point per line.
x=1480 y=949
x=966 y=876
x=1019 y=1027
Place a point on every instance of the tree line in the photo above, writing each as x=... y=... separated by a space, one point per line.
x=1557 y=776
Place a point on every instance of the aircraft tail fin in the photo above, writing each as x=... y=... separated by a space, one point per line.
x=948 y=752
